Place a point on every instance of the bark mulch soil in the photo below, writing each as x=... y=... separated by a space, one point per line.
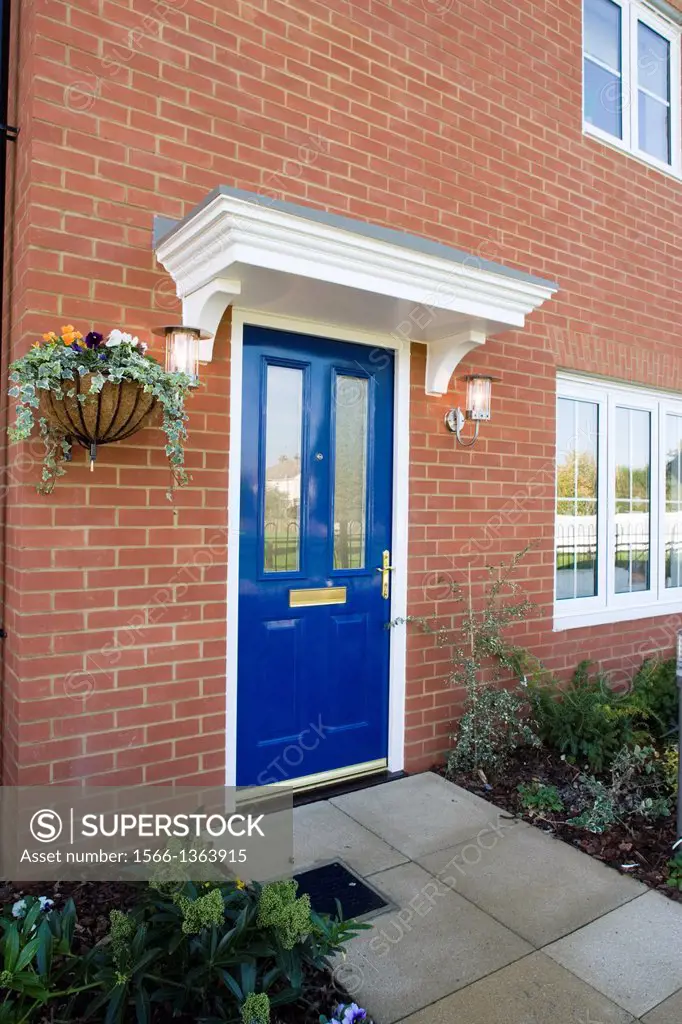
x=637 y=847
x=94 y=901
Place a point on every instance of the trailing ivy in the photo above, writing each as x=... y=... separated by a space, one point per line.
x=55 y=364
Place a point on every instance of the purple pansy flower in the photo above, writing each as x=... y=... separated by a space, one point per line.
x=350 y=1014
x=93 y=339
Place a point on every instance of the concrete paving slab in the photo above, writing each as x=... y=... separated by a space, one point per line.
x=323 y=833
x=421 y=813
x=435 y=944
x=534 y=990
x=669 y=1012
x=632 y=955
x=538 y=886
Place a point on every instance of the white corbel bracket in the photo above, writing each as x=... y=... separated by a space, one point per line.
x=205 y=307
x=443 y=357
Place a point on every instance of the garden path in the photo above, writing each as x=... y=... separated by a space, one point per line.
x=490 y=919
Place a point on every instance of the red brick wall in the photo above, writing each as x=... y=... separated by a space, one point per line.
x=459 y=122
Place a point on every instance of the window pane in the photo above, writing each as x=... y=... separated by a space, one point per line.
x=576 y=525
x=653 y=62
x=654 y=127
x=350 y=472
x=632 y=514
x=283 y=428
x=673 y=501
x=602 y=32
x=603 y=103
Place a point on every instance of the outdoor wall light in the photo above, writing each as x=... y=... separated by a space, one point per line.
x=479 y=390
x=182 y=348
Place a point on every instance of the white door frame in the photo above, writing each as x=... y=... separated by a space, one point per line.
x=401 y=468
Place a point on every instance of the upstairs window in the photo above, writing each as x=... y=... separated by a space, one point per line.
x=631 y=80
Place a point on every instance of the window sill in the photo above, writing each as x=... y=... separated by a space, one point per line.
x=614 y=143
x=604 y=616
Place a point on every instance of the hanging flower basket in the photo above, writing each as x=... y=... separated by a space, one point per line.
x=95 y=392
x=115 y=412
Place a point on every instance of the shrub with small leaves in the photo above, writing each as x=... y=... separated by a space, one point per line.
x=492 y=727
x=495 y=719
x=655 y=693
x=279 y=909
x=674 y=879
x=256 y=1009
x=638 y=783
x=601 y=813
x=539 y=799
x=670 y=767
x=121 y=931
x=586 y=720
x=201 y=912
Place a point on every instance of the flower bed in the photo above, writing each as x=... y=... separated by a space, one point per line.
x=594 y=765
x=149 y=953
x=637 y=847
x=592 y=762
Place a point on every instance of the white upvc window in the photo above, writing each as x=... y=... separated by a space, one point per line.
x=618 y=525
x=631 y=80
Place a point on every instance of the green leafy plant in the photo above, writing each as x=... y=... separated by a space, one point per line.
x=601 y=812
x=638 y=783
x=674 y=879
x=655 y=693
x=494 y=720
x=37 y=963
x=214 y=955
x=670 y=765
x=539 y=799
x=256 y=1009
x=586 y=720
x=55 y=364
x=636 y=788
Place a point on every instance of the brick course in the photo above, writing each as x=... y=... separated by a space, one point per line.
x=458 y=122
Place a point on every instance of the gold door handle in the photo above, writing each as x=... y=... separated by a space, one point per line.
x=385 y=569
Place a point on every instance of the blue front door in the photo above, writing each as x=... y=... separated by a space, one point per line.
x=317 y=428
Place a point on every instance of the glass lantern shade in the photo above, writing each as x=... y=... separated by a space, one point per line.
x=182 y=349
x=479 y=390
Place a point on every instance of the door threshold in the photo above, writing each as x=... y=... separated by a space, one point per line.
x=342 y=786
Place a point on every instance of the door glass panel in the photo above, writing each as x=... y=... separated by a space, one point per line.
x=350 y=472
x=673 y=501
x=576 y=522
x=283 y=430
x=633 y=493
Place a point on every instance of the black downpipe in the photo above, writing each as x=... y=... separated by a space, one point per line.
x=7 y=134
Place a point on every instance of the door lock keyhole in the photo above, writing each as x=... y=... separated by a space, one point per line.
x=319 y=456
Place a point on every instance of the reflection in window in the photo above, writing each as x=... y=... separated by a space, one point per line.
x=653 y=67
x=576 y=526
x=632 y=519
x=350 y=472
x=283 y=426
x=673 y=501
x=602 y=66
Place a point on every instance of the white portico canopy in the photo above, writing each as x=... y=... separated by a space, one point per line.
x=264 y=254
